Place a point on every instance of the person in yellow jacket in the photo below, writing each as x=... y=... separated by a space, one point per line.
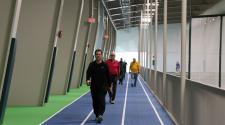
x=134 y=69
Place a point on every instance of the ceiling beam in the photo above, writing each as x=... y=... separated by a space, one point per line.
x=110 y=0
x=130 y=22
x=130 y=12
x=134 y=5
x=132 y=25
x=125 y=18
x=106 y=9
x=117 y=19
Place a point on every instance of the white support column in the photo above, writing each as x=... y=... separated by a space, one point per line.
x=90 y=27
x=139 y=42
x=98 y=22
x=150 y=46
x=183 y=59
x=112 y=42
x=87 y=44
x=78 y=25
x=144 y=42
x=13 y=33
x=147 y=36
x=141 y=49
x=58 y=23
x=106 y=51
x=155 y=42
x=146 y=51
x=143 y=45
x=164 y=51
x=151 y=39
x=16 y=18
x=147 y=46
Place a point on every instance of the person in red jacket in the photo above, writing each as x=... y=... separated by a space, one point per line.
x=114 y=73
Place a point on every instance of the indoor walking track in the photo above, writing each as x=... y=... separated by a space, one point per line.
x=133 y=106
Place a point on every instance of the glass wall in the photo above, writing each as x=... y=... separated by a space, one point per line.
x=173 y=47
x=205 y=42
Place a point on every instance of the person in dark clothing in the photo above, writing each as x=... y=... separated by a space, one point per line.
x=122 y=71
x=125 y=66
x=98 y=78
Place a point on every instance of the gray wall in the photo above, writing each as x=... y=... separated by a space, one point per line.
x=34 y=47
x=80 y=50
x=216 y=9
x=65 y=46
x=92 y=38
x=6 y=13
x=223 y=56
x=204 y=105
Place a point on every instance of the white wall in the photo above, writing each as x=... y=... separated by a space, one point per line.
x=127 y=40
x=216 y=9
x=127 y=45
x=127 y=57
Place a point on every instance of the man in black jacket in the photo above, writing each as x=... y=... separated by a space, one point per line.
x=98 y=79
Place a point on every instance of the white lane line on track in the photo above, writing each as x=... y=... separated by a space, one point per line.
x=87 y=117
x=125 y=103
x=156 y=112
x=62 y=108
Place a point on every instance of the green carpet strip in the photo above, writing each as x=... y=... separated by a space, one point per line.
x=35 y=115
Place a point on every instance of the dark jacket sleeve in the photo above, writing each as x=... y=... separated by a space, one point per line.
x=107 y=75
x=89 y=72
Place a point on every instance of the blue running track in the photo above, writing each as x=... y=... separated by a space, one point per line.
x=134 y=106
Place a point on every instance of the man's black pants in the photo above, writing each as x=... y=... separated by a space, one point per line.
x=98 y=100
x=112 y=94
x=121 y=78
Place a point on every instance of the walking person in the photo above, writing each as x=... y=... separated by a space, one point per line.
x=134 y=69
x=122 y=71
x=177 y=67
x=98 y=78
x=125 y=66
x=114 y=72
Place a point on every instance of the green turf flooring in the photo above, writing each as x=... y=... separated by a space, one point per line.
x=36 y=115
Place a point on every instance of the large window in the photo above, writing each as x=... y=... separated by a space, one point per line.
x=173 y=47
x=205 y=42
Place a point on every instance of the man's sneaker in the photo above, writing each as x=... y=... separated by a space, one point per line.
x=99 y=119
x=113 y=102
x=110 y=100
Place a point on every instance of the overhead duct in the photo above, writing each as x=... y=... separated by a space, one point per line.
x=126 y=9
